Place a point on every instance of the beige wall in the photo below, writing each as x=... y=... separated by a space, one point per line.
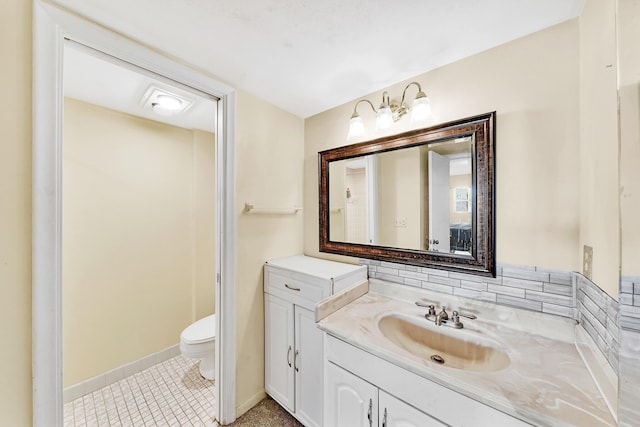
x=204 y=178
x=599 y=200
x=629 y=92
x=15 y=211
x=269 y=159
x=533 y=85
x=137 y=236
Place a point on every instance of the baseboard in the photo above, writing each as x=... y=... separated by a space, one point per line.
x=253 y=401
x=114 y=375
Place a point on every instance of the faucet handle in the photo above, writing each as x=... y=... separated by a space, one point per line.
x=431 y=307
x=468 y=316
x=455 y=320
x=432 y=310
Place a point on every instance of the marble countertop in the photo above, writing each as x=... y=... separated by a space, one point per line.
x=546 y=383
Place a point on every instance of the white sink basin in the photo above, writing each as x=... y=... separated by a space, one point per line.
x=442 y=348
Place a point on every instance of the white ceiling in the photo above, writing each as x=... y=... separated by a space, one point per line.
x=307 y=56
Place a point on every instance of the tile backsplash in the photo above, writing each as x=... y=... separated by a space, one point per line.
x=533 y=288
x=630 y=303
x=598 y=315
x=629 y=384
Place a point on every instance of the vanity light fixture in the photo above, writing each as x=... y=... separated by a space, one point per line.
x=391 y=111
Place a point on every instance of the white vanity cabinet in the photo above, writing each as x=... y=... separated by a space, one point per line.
x=353 y=402
x=356 y=380
x=293 y=359
x=293 y=343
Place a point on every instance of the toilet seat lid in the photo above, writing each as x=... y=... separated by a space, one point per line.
x=200 y=331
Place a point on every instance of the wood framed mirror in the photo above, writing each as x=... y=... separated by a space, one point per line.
x=424 y=197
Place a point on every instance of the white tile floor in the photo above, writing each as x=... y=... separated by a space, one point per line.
x=171 y=393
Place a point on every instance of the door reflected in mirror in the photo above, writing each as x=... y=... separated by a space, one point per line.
x=415 y=198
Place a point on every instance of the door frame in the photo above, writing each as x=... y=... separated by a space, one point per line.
x=371 y=175
x=51 y=25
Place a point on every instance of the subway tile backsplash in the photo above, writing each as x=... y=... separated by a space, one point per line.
x=629 y=321
x=532 y=288
x=598 y=315
x=630 y=303
x=558 y=292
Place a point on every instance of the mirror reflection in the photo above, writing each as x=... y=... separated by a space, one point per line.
x=418 y=198
x=424 y=197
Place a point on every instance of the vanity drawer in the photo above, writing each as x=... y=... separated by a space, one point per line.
x=295 y=287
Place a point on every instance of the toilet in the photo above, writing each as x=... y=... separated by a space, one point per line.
x=198 y=341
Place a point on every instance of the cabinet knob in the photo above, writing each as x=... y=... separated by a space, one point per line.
x=295 y=360
x=384 y=418
x=289 y=356
x=370 y=413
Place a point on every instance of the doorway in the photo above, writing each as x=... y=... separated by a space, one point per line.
x=52 y=26
x=361 y=200
x=138 y=234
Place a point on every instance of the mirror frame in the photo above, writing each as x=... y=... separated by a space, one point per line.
x=482 y=261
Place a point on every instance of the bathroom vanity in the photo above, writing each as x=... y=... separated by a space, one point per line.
x=294 y=356
x=508 y=367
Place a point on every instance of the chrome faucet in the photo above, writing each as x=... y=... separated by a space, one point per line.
x=443 y=317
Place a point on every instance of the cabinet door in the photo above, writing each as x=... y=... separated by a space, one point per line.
x=279 y=350
x=349 y=401
x=308 y=361
x=396 y=413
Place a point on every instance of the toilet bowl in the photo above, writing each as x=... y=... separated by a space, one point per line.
x=198 y=341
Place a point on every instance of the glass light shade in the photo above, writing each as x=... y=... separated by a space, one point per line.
x=356 y=126
x=384 y=119
x=421 y=109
